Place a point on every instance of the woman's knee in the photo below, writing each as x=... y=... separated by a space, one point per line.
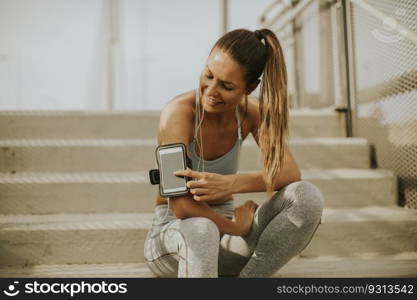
x=307 y=195
x=197 y=229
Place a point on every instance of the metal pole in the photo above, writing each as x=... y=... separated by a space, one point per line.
x=143 y=54
x=298 y=63
x=336 y=56
x=326 y=71
x=224 y=11
x=290 y=15
x=351 y=118
x=112 y=41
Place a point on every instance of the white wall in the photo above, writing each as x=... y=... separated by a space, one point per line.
x=54 y=54
x=163 y=48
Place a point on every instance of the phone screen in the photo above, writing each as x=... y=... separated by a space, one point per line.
x=172 y=159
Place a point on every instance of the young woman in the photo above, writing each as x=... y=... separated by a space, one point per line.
x=203 y=234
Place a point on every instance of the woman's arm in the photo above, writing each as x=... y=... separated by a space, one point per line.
x=216 y=188
x=186 y=207
x=175 y=126
x=254 y=182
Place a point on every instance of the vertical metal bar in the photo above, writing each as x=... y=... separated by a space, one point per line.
x=337 y=88
x=143 y=53
x=325 y=55
x=298 y=63
x=112 y=40
x=224 y=16
x=351 y=118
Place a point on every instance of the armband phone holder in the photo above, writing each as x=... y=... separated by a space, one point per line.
x=155 y=174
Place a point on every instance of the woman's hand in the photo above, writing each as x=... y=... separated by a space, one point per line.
x=210 y=187
x=244 y=216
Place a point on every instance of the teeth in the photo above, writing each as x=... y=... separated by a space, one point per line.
x=212 y=100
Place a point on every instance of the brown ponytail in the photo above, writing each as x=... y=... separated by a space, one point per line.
x=273 y=107
x=267 y=59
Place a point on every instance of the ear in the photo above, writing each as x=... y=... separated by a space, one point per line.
x=251 y=87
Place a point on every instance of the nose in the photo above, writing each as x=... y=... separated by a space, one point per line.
x=211 y=90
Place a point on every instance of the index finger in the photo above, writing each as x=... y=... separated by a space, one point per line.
x=189 y=173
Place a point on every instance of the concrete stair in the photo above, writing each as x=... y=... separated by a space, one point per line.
x=367 y=265
x=112 y=155
x=113 y=238
x=76 y=201
x=78 y=124
x=137 y=124
x=40 y=193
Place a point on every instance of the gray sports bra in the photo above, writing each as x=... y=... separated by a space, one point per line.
x=225 y=164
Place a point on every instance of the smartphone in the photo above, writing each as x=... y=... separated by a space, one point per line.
x=171 y=158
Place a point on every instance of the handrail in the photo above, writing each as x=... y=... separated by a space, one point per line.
x=271 y=5
x=286 y=17
x=399 y=27
x=268 y=23
x=302 y=5
x=294 y=12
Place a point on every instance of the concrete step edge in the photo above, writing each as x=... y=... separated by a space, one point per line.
x=327 y=111
x=80 y=113
x=144 y=220
x=51 y=177
x=297 y=112
x=142 y=176
x=77 y=142
x=325 y=141
x=402 y=264
x=76 y=221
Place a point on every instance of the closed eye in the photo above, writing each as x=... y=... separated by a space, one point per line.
x=227 y=88
x=209 y=76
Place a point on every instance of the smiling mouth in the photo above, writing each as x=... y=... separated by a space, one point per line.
x=213 y=102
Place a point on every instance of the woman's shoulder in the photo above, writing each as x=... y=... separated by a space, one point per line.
x=182 y=103
x=176 y=119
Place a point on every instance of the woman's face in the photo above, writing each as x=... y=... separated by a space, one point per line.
x=222 y=83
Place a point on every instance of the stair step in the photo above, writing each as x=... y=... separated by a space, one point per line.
x=346 y=187
x=317 y=123
x=139 y=124
x=119 y=270
x=369 y=265
x=119 y=238
x=122 y=155
x=372 y=229
x=74 y=239
x=78 y=124
x=130 y=155
x=311 y=153
x=375 y=266
x=47 y=193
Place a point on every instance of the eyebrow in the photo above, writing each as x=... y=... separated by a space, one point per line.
x=224 y=81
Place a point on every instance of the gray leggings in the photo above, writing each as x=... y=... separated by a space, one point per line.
x=193 y=247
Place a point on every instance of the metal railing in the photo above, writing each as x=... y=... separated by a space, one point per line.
x=291 y=9
x=278 y=21
x=397 y=25
x=365 y=67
